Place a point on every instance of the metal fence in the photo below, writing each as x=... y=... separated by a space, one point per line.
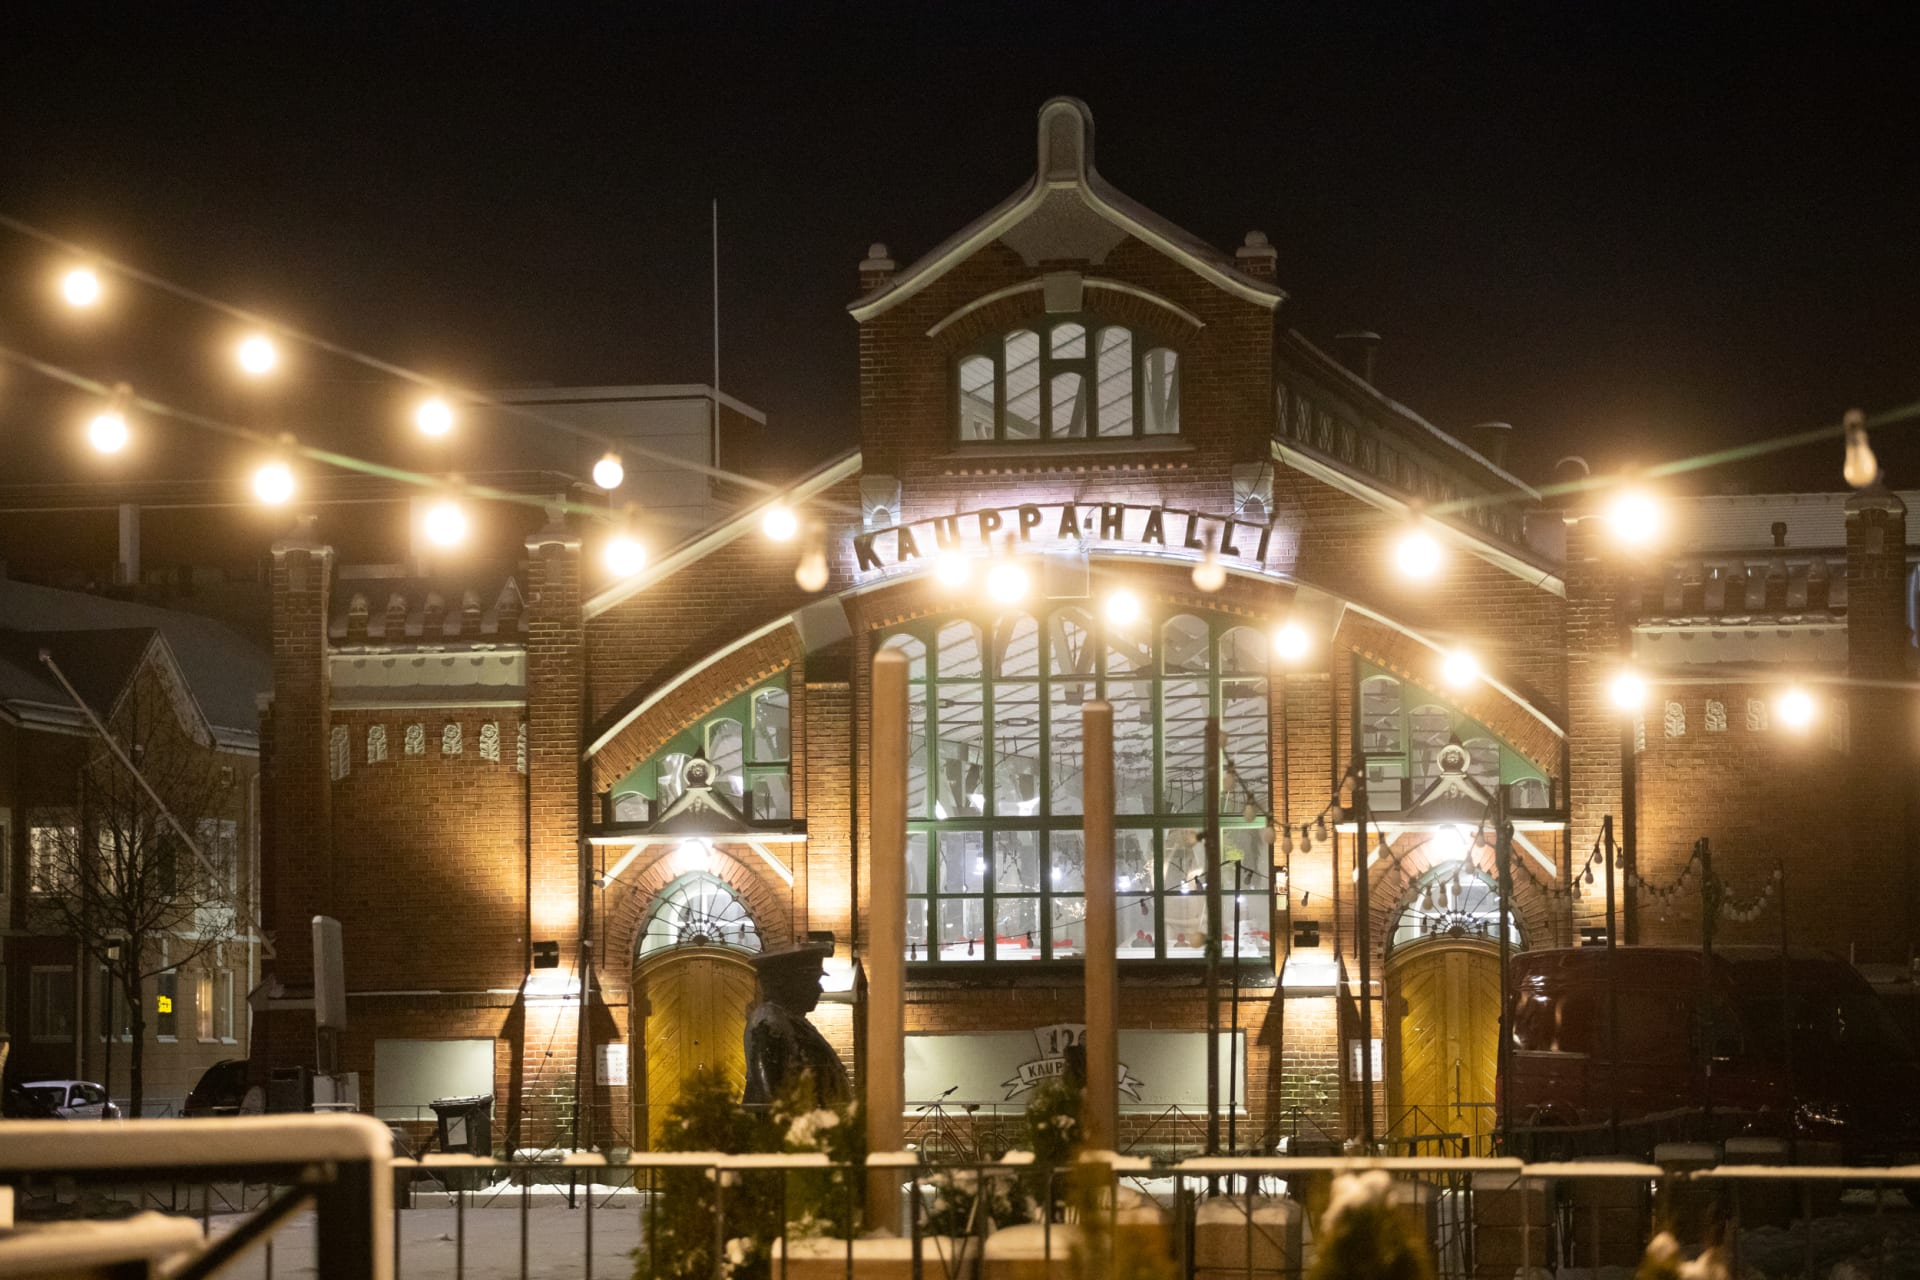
x=275 y=1201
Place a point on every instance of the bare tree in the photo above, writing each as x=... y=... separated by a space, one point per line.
x=152 y=868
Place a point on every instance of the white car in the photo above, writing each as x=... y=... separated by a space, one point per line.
x=74 y=1099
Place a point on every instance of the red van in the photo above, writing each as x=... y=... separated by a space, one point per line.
x=1838 y=1070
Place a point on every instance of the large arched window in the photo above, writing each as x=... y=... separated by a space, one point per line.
x=996 y=856
x=697 y=910
x=1066 y=378
x=1455 y=902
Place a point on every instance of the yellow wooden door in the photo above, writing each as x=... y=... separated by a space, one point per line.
x=1446 y=1039
x=696 y=1016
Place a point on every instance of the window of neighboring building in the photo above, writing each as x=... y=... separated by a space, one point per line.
x=114 y=1001
x=223 y=1005
x=51 y=844
x=50 y=1003
x=749 y=743
x=166 y=1005
x=996 y=856
x=1067 y=378
x=1402 y=727
x=203 y=1003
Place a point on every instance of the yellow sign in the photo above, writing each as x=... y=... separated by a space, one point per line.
x=166 y=1004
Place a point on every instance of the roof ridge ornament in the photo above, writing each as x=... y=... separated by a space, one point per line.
x=1066 y=142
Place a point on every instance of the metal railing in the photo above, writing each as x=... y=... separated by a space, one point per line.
x=311 y=1199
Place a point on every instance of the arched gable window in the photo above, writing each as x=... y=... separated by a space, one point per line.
x=1066 y=378
x=1454 y=902
x=748 y=741
x=697 y=910
x=996 y=855
x=1402 y=728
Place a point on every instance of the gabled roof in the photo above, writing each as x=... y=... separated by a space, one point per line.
x=1067 y=210
x=100 y=665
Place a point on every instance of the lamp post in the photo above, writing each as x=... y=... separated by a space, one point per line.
x=1363 y=943
x=1611 y=854
x=106 y=1016
x=1503 y=873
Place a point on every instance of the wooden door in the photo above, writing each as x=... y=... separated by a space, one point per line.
x=1444 y=1039
x=697 y=1001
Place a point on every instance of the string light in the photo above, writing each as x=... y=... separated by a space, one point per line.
x=608 y=473
x=1795 y=708
x=446 y=524
x=1460 y=669
x=1861 y=468
x=1123 y=608
x=811 y=574
x=1007 y=582
x=81 y=287
x=953 y=568
x=434 y=417
x=1418 y=555
x=1627 y=691
x=1634 y=517
x=107 y=432
x=780 y=524
x=1209 y=575
x=257 y=355
x=625 y=555
x=273 y=483
x=1291 y=642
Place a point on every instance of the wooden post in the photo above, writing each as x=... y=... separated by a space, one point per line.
x=1103 y=933
x=1211 y=844
x=887 y=935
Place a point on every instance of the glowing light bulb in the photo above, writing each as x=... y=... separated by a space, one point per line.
x=1291 y=642
x=780 y=523
x=1795 y=708
x=1209 y=574
x=446 y=524
x=1123 y=608
x=107 y=433
x=273 y=483
x=1418 y=555
x=1861 y=468
x=1460 y=669
x=257 y=355
x=953 y=568
x=811 y=574
x=434 y=417
x=1007 y=582
x=1628 y=691
x=608 y=473
x=81 y=287
x=624 y=555
x=1635 y=518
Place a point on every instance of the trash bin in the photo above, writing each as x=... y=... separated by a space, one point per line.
x=466 y=1124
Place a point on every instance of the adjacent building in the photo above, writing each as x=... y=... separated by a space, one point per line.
x=554 y=810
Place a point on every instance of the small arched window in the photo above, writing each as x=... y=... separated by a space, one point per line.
x=1066 y=378
x=698 y=910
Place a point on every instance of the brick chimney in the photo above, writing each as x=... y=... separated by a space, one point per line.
x=1258 y=258
x=876 y=269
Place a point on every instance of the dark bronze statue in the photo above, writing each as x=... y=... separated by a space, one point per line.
x=781 y=1044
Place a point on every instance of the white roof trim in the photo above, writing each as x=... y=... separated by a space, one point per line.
x=1492 y=553
x=1511 y=693
x=652 y=700
x=1069 y=170
x=705 y=544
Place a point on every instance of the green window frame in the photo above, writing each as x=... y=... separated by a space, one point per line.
x=1401 y=727
x=995 y=831
x=1066 y=378
x=748 y=739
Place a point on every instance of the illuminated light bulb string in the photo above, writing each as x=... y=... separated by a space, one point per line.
x=1714 y=891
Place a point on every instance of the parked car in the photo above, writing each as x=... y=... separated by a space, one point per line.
x=223 y=1091
x=73 y=1099
x=1839 y=1069
x=16 y=1103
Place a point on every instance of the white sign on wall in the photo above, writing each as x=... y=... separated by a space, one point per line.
x=1157 y=1068
x=610 y=1065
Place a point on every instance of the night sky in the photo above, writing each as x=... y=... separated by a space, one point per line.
x=1631 y=233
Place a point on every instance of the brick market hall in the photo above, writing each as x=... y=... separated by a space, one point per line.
x=558 y=810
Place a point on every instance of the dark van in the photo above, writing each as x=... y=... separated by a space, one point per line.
x=1800 y=1047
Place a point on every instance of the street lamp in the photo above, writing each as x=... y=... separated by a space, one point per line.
x=1460 y=669
x=1795 y=708
x=106 y=1016
x=1635 y=518
x=1417 y=555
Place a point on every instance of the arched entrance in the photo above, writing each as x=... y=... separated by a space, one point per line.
x=1443 y=1007
x=692 y=988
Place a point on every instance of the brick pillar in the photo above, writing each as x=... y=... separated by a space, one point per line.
x=556 y=797
x=1880 y=725
x=1597 y=648
x=296 y=787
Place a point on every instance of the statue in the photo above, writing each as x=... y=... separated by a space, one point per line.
x=781 y=1044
